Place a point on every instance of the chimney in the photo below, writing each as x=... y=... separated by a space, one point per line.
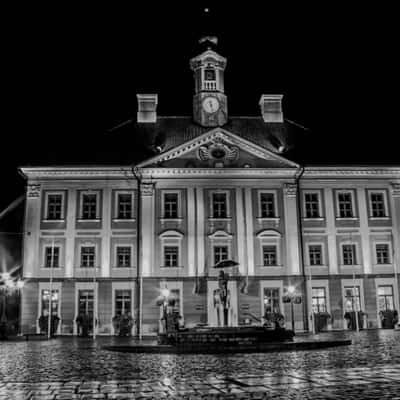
x=147 y=108
x=271 y=107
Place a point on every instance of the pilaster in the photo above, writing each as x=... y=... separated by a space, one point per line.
x=331 y=231
x=395 y=211
x=364 y=230
x=240 y=224
x=200 y=230
x=70 y=233
x=32 y=229
x=147 y=228
x=106 y=233
x=191 y=240
x=291 y=229
x=249 y=231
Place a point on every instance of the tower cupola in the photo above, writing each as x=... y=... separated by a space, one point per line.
x=209 y=100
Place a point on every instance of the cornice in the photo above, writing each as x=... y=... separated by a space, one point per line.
x=351 y=172
x=90 y=172
x=94 y=172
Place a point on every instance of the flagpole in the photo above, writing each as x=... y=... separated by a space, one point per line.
x=51 y=291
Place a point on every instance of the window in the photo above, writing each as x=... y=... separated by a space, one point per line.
x=271 y=300
x=220 y=254
x=89 y=206
x=124 y=206
x=385 y=298
x=52 y=257
x=219 y=205
x=209 y=74
x=352 y=298
x=382 y=253
x=315 y=254
x=319 y=300
x=270 y=258
x=345 y=204
x=123 y=301
x=312 y=205
x=85 y=302
x=124 y=256
x=54 y=207
x=267 y=205
x=46 y=302
x=349 y=254
x=88 y=256
x=377 y=205
x=170 y=205
x=171 y=256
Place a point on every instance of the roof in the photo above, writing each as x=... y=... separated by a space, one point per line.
x=132 y=142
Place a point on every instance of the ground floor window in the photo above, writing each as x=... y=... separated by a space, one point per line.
x=271 y=300
x=319 y=300
x=86 y=302
x=46 y=302
x=385 y=298
x=123 y=301
x=352 y=298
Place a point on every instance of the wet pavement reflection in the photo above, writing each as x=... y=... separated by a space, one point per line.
x=65 y=367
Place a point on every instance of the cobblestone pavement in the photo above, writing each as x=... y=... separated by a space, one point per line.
x=68 y=368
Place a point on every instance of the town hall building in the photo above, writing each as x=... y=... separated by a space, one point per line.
x=108 y=240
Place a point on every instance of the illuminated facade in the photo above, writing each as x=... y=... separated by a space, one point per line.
x=216 y=188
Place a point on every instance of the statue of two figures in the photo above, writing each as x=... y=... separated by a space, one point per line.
x=222 y=301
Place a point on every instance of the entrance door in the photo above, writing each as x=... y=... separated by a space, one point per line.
x=215 y=315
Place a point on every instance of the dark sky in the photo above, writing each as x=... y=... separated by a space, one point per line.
x=72 y=72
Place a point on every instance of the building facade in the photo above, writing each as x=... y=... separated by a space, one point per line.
x=107 y=240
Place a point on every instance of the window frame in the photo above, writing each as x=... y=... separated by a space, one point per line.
x=46 y=286
x=356 y=254
x=98 y=214
x=171 y=238
x=323 y=258
x=116 y=205
x=390 y=252
x=320 y=213
x=46 y=205
x=93 y=245
x=275 y=204
x=385 y=204
x=44 y=263
x=270 y=237
x=228 y=210
x=116 y=246
x=178 y=206
x=275 y=246
x=353 y=204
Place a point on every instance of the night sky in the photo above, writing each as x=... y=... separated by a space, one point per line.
x=72 y=73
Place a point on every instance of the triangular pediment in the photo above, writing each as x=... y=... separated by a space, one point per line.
x=218 y=148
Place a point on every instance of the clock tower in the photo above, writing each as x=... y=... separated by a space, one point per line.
x=209 y=101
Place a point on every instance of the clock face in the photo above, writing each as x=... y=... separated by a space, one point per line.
x=210 y=104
